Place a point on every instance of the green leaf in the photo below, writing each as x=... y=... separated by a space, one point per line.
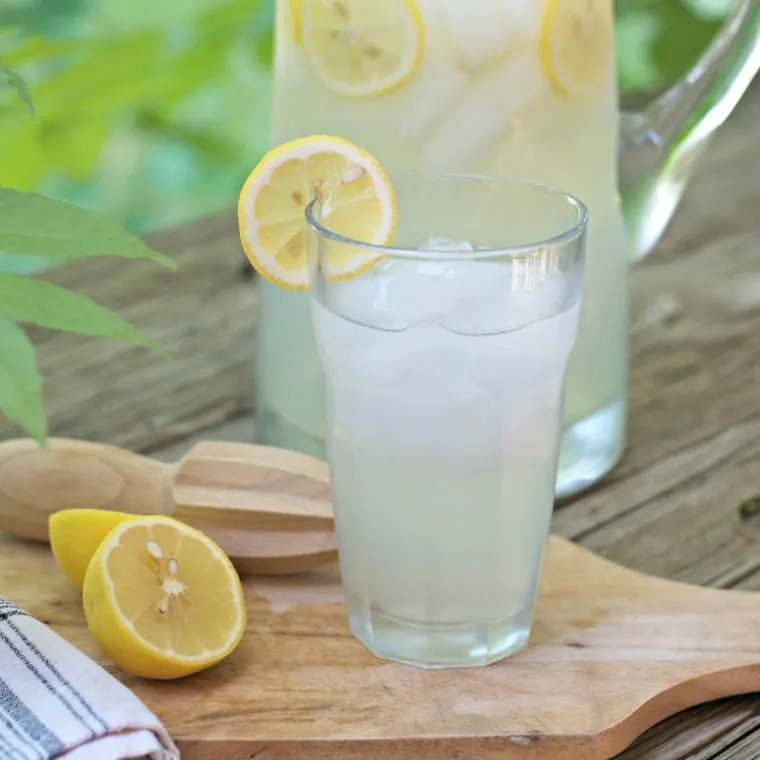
x=117 y=16
x=22 y=159
x=40 y=16
x=20 y=381
x=263 y=25
x=230 y=14
x=684 y=38
x=33 y=225
x=126 y=71
x=15 y=81
x=201 y=140
x=75 y=146
x=710 y=10
x=35 y=49
x=25 y=299
x=635 y=35
x=204 y=61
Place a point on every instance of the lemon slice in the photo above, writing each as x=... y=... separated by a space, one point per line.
x=357 y=197
x=162 y=600
x=576 y=44
x=76 y=534
x=295 y=19
x=362 y=48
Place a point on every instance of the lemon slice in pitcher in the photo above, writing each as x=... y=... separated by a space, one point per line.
x=363 y=47
x=162 y=600
x=295 y=19
x=576 y=44
x=357 y=197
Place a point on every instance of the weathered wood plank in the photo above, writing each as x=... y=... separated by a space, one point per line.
x=205 y=317
x=694 y=440
x=708 y=732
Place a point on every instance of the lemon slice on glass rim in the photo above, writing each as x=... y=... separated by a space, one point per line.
x=361 y=48
x=358 y=202
x=576 y=44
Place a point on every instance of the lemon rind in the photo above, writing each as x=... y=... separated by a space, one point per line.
x=296 y=16
x=304 y=147
x=564 y=86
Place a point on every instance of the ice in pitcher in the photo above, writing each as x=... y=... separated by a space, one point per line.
x=444 y=402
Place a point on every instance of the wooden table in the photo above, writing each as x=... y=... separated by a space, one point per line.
x=680 y=503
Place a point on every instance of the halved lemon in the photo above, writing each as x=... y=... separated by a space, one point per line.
x=576 y=44
x=362 y=48
x=162 y=600
x=357 y=200
x=76 y=534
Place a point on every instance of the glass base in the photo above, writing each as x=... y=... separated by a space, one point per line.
x=439 y=646
x=590 y=448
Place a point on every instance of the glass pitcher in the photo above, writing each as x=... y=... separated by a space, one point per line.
x=523 y=88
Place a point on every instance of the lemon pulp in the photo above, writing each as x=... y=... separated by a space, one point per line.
x=162 y=599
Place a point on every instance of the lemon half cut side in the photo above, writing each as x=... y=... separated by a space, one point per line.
x=162 y=600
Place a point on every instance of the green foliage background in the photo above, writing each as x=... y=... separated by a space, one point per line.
x=154 y=110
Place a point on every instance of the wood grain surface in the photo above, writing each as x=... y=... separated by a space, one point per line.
x=679 y=505
x=612 y=652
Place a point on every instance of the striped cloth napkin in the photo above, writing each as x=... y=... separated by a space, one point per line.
x=57 y=703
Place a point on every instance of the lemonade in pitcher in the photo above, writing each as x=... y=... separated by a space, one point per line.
x=520 y=88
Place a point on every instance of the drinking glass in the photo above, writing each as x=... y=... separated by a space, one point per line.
x=444 y=366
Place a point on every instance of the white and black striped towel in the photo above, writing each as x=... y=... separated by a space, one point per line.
x=57 y=703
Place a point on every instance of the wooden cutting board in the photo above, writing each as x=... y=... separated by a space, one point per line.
x=612 y=652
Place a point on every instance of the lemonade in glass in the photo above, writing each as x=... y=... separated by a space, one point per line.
x=444 y=365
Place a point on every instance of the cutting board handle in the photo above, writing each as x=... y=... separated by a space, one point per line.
x=35 y=482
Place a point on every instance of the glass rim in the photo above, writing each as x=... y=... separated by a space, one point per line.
x=513 y=251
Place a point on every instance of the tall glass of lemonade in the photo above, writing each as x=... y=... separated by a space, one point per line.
x=444 y=357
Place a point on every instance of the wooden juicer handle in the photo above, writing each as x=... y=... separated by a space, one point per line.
x=35 y=482
x=268 y=508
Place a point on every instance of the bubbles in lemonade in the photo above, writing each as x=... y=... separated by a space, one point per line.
x=523 y=88
x=443 y=411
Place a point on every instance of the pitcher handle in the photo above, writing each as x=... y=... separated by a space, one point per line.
x=661 y=144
